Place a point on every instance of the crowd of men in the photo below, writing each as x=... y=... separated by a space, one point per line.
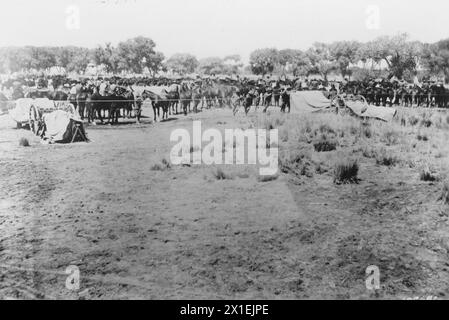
x=215 y=91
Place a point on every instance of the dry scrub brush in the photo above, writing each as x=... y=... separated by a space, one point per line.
x=23 y=142
x=346 y=170
x=445 y=192
x=323 y=144
x=267 y=178
x=297 y=161
x=427 y=174
x=220 y=174
x=164 y=165
x=383 y=158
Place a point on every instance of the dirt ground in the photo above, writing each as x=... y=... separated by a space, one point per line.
x=137 y=232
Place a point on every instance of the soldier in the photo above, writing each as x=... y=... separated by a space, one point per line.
x=285 y=96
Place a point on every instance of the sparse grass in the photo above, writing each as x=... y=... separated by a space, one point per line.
x=427 y=175
x=367 y=132
x=413 y=121
x=321 y=132
x=321 y=168
x=243 y=175
x=325 y=145
x=327 y=129
x=385 y=159
x=445 y=192
x=411 y=163
x=164 y=165
x=297 y=161
x=308 y=126
x=23 y=142
x=284 y=134
x=403 y=122
x=437 y=121
x=368 y=152
x=439 y=155
x=268 y=178
x=346 y=171
x=422 y=137
x=426 y=122
x=220 y=174
x=391 y=137
x=353 y=130
x=273 y=122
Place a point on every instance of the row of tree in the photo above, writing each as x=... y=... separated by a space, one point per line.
x=395 y=55
x=135 y=55
x=186 y=63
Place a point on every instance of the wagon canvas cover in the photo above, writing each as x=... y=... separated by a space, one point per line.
x=21 y=113
x=61 y=126
x=362 y=110
x=308 y=101
x=313 y=101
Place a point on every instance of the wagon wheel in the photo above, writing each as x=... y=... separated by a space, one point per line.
x=360 y=98
x=34 y=119
x=363 y=100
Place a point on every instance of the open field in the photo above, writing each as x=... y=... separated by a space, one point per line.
x=351 y=194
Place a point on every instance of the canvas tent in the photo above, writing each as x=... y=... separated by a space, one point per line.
x=302 y=102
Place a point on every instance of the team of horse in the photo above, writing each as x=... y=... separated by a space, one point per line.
x=192 y=96
x=128 y=102
x=388 y=94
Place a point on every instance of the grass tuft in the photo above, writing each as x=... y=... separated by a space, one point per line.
x=384 y=159
x=445 y=192
x=164 y=165
x=346 y=171
x=23 y=142
x=219 y=174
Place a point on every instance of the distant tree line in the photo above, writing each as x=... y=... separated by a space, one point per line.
x=391 y=56
x=387 y=55
x=133 y=55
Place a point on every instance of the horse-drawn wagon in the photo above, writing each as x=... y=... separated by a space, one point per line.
x=53 y=120
x=29 y=112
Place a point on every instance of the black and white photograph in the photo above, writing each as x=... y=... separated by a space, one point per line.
x=224 y=150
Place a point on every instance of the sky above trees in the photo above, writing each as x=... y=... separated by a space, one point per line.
x=208 y=28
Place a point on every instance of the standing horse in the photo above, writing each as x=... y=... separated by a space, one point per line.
x=196 y=97
x=173 y=96
x=128 y=103
x=185 y=96
x=97 y=103
x=158 y=102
